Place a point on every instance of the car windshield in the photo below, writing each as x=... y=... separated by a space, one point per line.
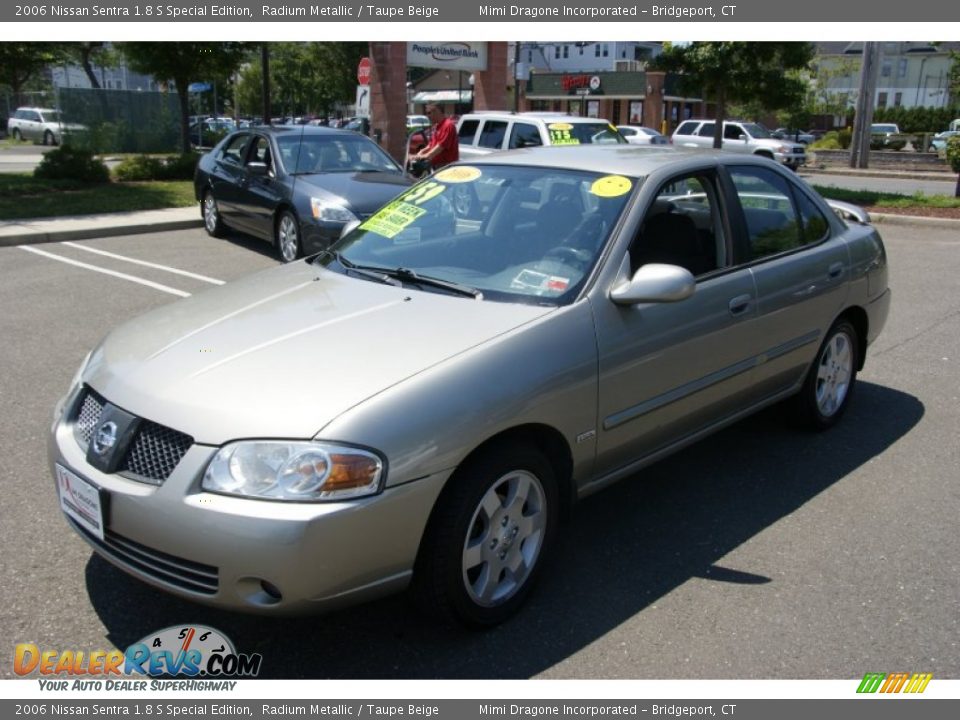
x=303 y=154
x=511 y=234
x=756 y=131
x=564 y=133
x=51 y=116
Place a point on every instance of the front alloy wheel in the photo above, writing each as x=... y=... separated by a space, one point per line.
x=504 y=538
x=288 y=237
x=488 y=537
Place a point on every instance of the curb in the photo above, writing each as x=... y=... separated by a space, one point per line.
x=37 y=237
x=930 y=176
x=893 y=219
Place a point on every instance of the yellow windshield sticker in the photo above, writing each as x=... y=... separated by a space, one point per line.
x=560 y=135
x=421 y=193
x=613 y=128
x=392 y=219
x=611 y=186
x=458 y=174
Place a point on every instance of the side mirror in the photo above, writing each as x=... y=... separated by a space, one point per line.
x=743 y=137
x=655 y=283
x=258 y=169
x=349 y=228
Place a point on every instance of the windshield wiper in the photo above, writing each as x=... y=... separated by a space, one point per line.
x=412 y=276
x=390 y=275
x=370 y=272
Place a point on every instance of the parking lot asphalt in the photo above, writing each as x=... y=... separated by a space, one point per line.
x=762 y=552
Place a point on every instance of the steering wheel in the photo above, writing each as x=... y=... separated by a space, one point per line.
x=567 y=255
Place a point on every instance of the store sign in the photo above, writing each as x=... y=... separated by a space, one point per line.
x=453 y=55
x=580 y=84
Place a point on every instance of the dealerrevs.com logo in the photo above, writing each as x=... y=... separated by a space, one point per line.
x=181 y=651
x=899 y=682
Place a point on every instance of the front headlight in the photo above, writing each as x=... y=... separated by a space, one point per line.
x=329 y=211
x=300 y=471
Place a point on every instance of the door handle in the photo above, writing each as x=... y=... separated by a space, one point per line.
x=835 y=270
x=739 y=304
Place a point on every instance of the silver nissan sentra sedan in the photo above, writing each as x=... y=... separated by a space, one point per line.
x=422 y=402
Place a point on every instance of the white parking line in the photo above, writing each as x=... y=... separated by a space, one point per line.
x=165 y=268
x=122 y=276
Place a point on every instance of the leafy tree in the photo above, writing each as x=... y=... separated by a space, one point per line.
x=183 y=63
x=88 y=54
x=306 y=78
x=21 y=62
x=739 y=72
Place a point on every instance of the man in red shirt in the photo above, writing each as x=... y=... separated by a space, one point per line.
x=443 y=147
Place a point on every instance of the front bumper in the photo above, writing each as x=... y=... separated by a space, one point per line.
x=252 y=555
x=791 y=159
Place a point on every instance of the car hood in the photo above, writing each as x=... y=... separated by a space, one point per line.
x=364 y=192
x=281 y=353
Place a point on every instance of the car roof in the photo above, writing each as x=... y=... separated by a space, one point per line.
x=545 y=116
x=629 y=160
x=278 y=130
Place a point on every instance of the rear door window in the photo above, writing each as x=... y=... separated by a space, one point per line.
x=492 y=134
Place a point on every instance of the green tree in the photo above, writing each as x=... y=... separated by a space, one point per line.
x=87 y=55
x=184 y=63
x=305 y=78
x=739 y=72
x=21 y=62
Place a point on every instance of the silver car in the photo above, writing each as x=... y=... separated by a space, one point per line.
x=422 y=403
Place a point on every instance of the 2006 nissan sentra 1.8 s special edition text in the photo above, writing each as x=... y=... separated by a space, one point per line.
x=422 y=402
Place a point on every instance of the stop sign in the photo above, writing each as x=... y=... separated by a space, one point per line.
x=363 y=71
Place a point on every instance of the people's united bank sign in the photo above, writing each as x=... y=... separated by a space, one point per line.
x=453 y=55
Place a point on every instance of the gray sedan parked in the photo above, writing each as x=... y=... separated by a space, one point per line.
x=424 y=401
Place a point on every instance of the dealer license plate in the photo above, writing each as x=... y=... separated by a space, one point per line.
x=80 y=500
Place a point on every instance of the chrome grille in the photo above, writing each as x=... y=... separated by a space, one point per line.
x=185 y=574
x=90 y=410
x=155 y=452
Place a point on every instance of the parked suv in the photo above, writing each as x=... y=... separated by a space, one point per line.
x=482 y=133
x=743 y=137
x=37 y=124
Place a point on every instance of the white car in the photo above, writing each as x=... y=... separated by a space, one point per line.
x=39 y=125
x=741 y=137
x=639 y=135
x=482 y=133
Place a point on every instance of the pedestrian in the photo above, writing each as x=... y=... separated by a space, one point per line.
x=443 y=147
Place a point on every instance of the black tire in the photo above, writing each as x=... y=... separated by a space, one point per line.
x=48 y=138
x=212 y=221
x=831 y=380
x=488 y=537
x=286 y=237
x=17 y=135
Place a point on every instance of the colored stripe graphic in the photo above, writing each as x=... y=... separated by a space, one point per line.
x=871 y=682
x=894 y=682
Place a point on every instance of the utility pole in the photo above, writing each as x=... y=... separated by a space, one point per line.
x=860 y=143
x=265 y=67
x=516 y=76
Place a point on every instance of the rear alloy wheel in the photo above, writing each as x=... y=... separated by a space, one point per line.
x=288 y=237
x=48 y=138
x=487 y=541
x=212 y=222
x=830 y=381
